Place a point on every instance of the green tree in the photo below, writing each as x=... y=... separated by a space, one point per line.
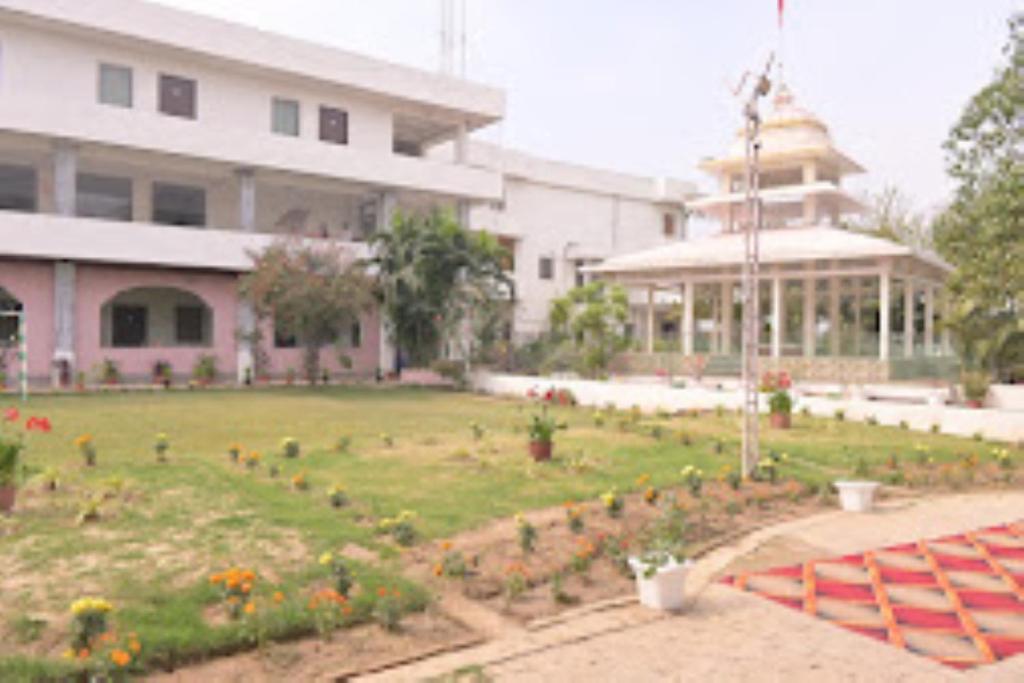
x=982 y=231
x=311 y=292
x=891 y=216
x=592 y=319
x=434 y=276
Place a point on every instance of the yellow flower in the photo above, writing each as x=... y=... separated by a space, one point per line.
x=85 y=605
x=326 y=559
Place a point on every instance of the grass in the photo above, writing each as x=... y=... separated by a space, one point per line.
x=165 y=526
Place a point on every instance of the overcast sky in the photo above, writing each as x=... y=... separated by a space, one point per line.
x=644 y=85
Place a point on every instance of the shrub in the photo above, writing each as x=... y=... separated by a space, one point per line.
x=387 y=609
x=87 y=449
x=343 y=444
x=693 y=478
x=477 y=430
x=160 y=446
x=88 y=621
x=400 y=528
x=975 y=385
x=290 y=447
x=517 y=580
x=299 y=482
x=234 y=452
x=452 y=564
x=341 y=575
x=108 y=372
x=453 y=370
x=613 y=503
x=526 y=533
x=542 y=427
x=574 y=517
x=337 y=496
x=904 y=424
x=840 y=414
x=252 y=461
x=871 y=420
x=236 y=586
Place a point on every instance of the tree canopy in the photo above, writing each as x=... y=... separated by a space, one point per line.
x=982 y=231
x=592 y=319
x=434 y=275
x=313 y=292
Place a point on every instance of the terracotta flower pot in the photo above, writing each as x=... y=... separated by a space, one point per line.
x=780 y=420
x=7 y=494
x=540 y=451
x=974 y=403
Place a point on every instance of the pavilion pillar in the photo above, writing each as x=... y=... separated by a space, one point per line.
x=726 y=345
x=777 y=317
x=245 y=344
x=688 y=295
x=857 y=317
x=64 y=295
x=883 y=315
x=650 y=320
x=929 y=320
x=809 y=315
x=908 y=318
x=833 y=317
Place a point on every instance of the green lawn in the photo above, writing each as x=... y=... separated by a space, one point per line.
x=170 y=524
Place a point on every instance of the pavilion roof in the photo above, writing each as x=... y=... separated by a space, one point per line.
x=776 y=246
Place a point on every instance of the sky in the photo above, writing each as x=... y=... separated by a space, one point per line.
x=645 y=86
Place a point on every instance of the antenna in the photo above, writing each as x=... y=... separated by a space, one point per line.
x=751 y=265
x=453 y=38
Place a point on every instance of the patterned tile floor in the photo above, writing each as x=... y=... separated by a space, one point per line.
x=957 y=599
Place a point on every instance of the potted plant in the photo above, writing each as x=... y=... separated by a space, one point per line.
x=857 y=494
x=204 y=372
x=661 y=567
x=780 y=403
x=975 y=388
x=109 y=373
x=542 y=433
x=162 y=373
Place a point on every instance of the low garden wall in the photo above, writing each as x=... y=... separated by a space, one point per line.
x=990 y=423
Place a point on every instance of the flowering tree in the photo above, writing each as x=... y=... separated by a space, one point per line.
x=312 y=292
x=592 y=319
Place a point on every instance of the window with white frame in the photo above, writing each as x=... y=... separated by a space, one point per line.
x=115 y=85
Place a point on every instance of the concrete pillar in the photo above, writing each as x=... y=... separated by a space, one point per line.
x=65 y=178
x=142 y=200
x=726 y=347
x=650 y=320
x=64 y=291
x=688 y=295
x=833 y=317
x=246 y=200
x=809 y=314
x=462 y=216
x=908 y=318
x=461 y=145
x=245 y=352
x=929 y=320
x=777 y=317
x=947 y=341
x=883 y=315
x=387 y=204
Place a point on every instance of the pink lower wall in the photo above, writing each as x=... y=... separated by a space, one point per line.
x=31 y=283
x=98 y=284
x=364 y=359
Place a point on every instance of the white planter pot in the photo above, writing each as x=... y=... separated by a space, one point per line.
x=664 y=589
x=856 y=496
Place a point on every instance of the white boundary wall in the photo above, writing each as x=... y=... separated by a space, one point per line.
x=993 y=424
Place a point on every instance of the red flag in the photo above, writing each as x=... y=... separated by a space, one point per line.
x=782 y=7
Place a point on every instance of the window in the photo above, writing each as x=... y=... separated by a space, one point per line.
x=547 y=268
x=8 y=321
x=356 y=335
x=17 y=188
x=177 y=96
x=188 y=324
x=581 y=277
x=129 y=326
x=284 y=118
x=179 y=205
x=334 y=125
x=115 y=85
x=508 y=257
x=669 y=225
x=104 y=197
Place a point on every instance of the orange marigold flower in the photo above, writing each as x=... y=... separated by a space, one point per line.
x=249 y=575
x=382 y=592
x=397 y=593
x=83 y=653
x=233 y=600
x=313 y=603
x=246 y=587
x=250 y=608
x=446 y=545
x=279 y=597
x=120 y=657
x=346 y=610
x=134 y=646
x=438 y=569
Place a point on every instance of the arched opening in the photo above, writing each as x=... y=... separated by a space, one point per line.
x=160 y=317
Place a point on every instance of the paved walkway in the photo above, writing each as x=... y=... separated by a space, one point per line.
x=729 y=635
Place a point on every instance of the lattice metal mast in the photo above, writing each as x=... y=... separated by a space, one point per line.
x=751 y=272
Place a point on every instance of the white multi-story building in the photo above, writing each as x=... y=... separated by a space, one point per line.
x=146 y=152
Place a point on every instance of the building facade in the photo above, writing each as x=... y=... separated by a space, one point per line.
x=146 y=153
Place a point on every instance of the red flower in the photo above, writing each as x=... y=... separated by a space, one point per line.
x=549 y=395
x=41 y=424
x=784 y=380
x=532 y=393
x=11 y=415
